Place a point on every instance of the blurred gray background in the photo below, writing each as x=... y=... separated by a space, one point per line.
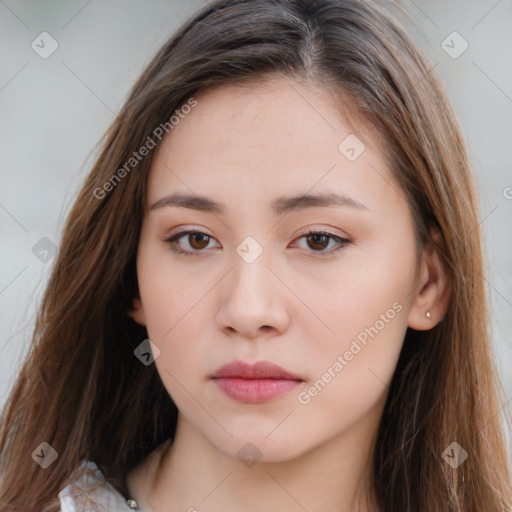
x=67 y=66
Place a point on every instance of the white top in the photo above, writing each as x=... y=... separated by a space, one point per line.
x=100 y=493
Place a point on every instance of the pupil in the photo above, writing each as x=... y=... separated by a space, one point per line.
x=315 y=239
x=202 y=236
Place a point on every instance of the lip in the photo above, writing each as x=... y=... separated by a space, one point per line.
x=254 y=383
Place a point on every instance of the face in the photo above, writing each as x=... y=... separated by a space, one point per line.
x=324 y=290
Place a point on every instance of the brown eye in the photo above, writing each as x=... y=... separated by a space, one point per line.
x=198 y=240
x=320 y=242
x=189 y=243
x=317 y=241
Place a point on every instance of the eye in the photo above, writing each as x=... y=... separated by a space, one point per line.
x=195 y=239
x=319 y=240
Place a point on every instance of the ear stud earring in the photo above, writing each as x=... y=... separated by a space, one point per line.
x=428 y=315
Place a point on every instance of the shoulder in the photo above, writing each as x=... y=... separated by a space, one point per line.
x=89 y=491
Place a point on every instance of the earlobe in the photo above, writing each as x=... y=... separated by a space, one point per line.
x=137 y=313
x=433 y=288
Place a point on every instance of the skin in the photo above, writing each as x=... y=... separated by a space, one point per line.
x=245 y=146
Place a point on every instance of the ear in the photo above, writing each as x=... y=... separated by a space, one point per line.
x=137 y=313
x=433 y=288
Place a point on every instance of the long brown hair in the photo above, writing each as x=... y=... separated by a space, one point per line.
x=82 y=390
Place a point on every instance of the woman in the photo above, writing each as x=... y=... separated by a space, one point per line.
x=269 y=292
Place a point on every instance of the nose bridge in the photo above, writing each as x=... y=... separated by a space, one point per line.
x=251 y=274
x=251 y=296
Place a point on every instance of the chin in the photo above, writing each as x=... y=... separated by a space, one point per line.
x=250 y=447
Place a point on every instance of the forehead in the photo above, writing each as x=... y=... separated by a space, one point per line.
x=279 y=136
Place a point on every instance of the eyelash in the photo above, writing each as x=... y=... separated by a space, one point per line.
x=176 y=237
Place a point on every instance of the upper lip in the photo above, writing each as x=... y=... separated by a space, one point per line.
x=259 y=370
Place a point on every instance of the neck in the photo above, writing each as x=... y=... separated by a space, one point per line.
x=192 y=474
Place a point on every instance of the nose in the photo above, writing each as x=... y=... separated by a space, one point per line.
x=253 y=300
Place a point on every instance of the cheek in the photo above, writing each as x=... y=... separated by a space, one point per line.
x=174 y=324
x=365 y=305
x=173 y=321
x=369 y=288
x=351 y=372
x=172 y=308
x=167 y=295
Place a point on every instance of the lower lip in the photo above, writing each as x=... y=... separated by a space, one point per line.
x=255 y=391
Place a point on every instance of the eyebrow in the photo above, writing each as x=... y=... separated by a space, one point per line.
x=279 y=205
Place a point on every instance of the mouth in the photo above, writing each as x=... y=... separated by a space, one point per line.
x=254 y=383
